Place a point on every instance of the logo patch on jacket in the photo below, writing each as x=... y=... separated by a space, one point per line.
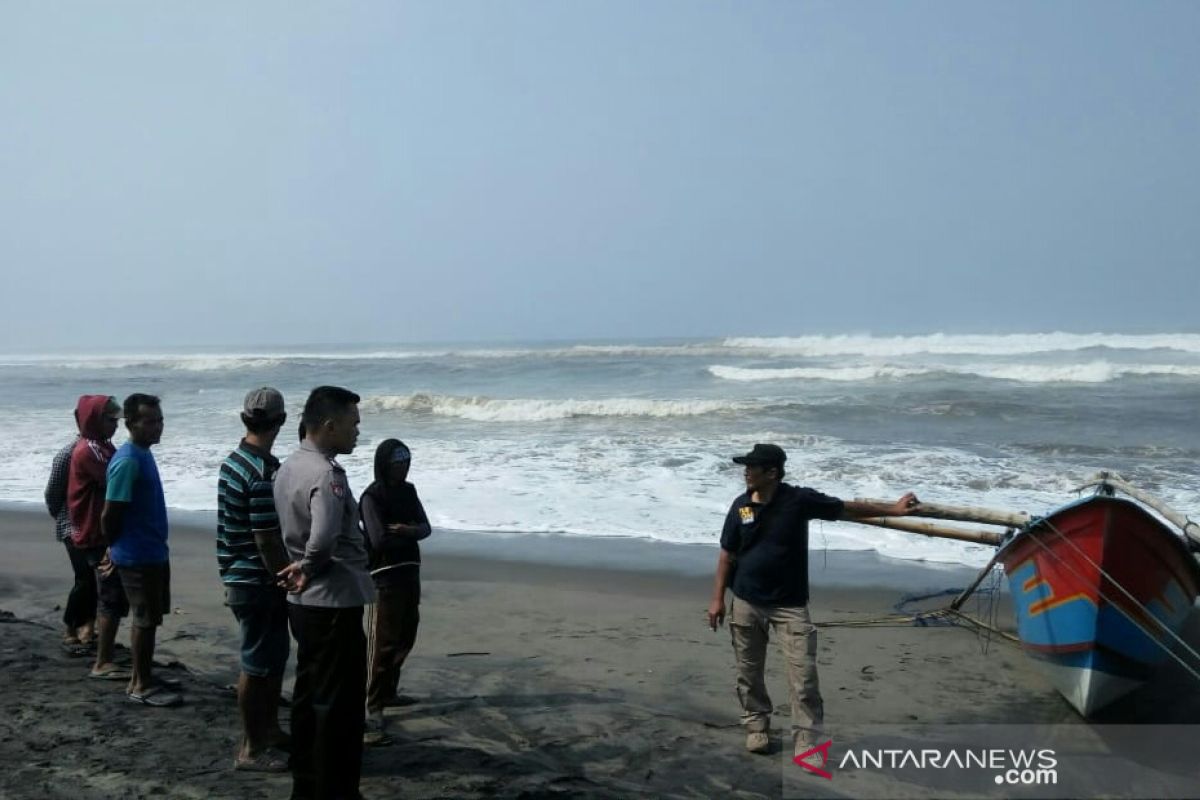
x=747 y=514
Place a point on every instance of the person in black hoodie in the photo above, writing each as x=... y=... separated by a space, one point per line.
x=394 y=521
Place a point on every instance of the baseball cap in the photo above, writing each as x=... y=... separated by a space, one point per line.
x=264 y=403
x=113 y=408
x=763 y=454
x=401 y=453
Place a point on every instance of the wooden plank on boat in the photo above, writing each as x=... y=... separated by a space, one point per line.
x=986 y=516
x=932 y=529
x=1180 y=520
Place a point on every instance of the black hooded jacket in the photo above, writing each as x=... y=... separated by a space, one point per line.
x=382 y=505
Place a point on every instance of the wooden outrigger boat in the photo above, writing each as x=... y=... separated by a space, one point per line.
x=1101 y=587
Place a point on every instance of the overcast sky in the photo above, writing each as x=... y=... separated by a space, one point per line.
x=265 y=173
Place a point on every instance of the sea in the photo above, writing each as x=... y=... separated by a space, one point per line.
x=634 y=439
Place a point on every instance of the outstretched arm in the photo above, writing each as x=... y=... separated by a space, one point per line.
x=855 y=509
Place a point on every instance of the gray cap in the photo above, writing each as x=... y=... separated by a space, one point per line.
x=264 y=403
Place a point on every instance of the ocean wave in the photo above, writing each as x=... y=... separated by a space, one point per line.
x=207 y=362
x=1090 y=372
x=952 y=344
x=864 y=373
x=488 y=409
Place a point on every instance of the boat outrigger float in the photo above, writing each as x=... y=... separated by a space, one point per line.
x=1101 y=586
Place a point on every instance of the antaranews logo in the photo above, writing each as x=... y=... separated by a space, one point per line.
x=1011 y=767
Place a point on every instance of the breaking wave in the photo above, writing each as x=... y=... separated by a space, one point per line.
x=1091 y=372
x=488 y=409
x=865 y=373
x=947 y=344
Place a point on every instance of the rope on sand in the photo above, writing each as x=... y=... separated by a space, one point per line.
x=941 y=616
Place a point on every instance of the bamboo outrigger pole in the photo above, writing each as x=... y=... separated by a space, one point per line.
x=986 y=516
x=1190 y=529
x=932 y=529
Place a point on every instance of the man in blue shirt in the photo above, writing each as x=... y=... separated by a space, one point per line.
x=134 y=524
x=764 y=560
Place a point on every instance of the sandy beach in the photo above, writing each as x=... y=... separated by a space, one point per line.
x=586 y=672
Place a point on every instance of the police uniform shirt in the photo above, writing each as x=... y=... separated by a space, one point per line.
x=319 y=521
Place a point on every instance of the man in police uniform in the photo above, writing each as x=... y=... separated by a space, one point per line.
x=764 y=560
x=328 y=585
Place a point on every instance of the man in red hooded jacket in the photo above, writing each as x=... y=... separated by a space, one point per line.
x=97 y=416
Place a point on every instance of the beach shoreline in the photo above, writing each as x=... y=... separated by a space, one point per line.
x=537 y=678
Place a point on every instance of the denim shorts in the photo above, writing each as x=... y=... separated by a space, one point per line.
x=261 y=611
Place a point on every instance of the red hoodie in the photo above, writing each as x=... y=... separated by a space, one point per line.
x=89 y=466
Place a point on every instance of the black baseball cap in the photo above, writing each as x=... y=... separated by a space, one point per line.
x=763 y=454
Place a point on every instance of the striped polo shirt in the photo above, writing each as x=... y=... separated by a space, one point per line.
x=245 y=505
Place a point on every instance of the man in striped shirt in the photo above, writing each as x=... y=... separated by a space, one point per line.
x=249 y=553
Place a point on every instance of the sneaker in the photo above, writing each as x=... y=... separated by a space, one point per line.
x=375 y=731
x=758 y=742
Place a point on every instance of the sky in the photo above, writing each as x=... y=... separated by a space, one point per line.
x=255 y=174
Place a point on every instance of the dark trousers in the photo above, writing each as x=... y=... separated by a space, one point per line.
x=394 y=620
x=81 y=601
x=327 y=703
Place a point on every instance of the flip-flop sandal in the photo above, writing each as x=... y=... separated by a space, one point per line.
x=265 y=761
x=114 y=674
x=76 y=650
x=155 y=696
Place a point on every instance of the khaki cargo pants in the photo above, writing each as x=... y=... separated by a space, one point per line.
x=750 y=626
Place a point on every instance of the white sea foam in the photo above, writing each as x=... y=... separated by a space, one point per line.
x=488 y=409
x=201 y=362
x=948 y=344
x=863 y=373
x=1089 y=372
x=650 y=455
x=812 y=346
x=672 y=487
x=207 y=362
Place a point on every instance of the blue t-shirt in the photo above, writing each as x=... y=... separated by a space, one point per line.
x=133 y=478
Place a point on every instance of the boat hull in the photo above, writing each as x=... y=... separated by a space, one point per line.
x=1099 y=587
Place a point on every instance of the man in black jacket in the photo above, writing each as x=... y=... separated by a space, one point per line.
x=395 y=521
x=764 y=560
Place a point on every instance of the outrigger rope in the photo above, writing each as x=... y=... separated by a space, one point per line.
x=1062 y=561
x=991 y=613
x=941 y=616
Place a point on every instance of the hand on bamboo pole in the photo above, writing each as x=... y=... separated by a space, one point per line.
x=857 y=509
x=986 y=516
